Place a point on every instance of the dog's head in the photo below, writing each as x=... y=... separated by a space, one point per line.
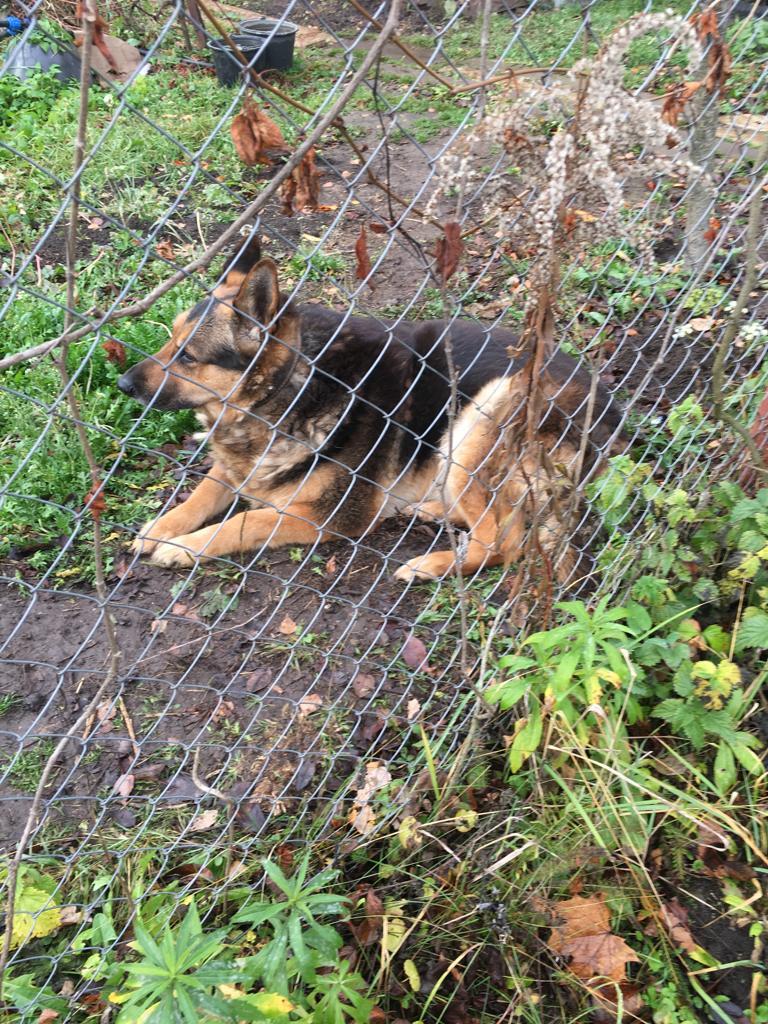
x=232 y=347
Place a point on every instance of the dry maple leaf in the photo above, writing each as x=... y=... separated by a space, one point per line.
x=363 y=268
x=287 y=627
x=585 y=938
x=254 y=133
x=300 y=191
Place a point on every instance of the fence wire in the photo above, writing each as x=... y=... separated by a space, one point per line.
x=274 y=697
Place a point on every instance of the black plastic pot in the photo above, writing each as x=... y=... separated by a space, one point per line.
x=227 y=64
x=281 y=44
x=28 y=57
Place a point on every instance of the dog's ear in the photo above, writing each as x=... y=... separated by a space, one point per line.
x=259 y=295
x=244 y=260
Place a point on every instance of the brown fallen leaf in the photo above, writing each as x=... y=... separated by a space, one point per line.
x=414 y=654
x=363 y=685
x=123 y=785
x=449 y=250
x=674 y=918
x=254 y=134
x=363 y=267
x=312 y=702
x=287 y=627
x=330 y=566
x=585 y=938
x=608 y=1008
x=164 y=248
x=370 y=928
x=224 y=709
x=413 y=709
x=362 y=817
x=205 y=820
x=300 y=191
x=46 y=1016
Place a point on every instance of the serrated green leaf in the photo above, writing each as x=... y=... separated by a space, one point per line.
x=753 y=630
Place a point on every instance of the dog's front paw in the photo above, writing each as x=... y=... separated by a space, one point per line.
x=152 y=533
x=425 y=567
x=175 y=555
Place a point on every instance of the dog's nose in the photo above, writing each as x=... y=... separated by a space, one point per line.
x=126 y=384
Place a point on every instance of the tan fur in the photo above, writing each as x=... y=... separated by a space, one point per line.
x=482 y=478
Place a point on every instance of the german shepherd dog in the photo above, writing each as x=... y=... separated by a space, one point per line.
x=329 y=423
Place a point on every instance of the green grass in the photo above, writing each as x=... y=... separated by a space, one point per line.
x=547 y=36
x=27 y=766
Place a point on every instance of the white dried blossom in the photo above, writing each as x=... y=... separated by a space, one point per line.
x=601 y=126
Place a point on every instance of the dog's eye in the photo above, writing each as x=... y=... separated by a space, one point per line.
x=186 y=357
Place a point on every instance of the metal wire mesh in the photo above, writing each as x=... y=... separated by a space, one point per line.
x=253 y=695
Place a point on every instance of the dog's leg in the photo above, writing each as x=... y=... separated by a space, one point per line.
x=244 y=532
x=472 y=510
x=212 y=495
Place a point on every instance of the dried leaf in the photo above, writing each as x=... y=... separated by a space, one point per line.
x=584 y=936
x=312 y=702
x=224 y=709
x=413 y=709
x=363 y=268
x=676 y=100
x=718 y=54
x=164 y=248
x=674 y=917
x=361 y=816
x=378 y=229
x=288 y=627
x=300 y=191
x=449 y=250
x=330 y=566
x=99 y=28
x=605 y=998
x=254 y=133
x=205 y=820
x=123 y=786
x=414 y=654
x=702 y=323
x=363 y=685
x=712 y=231
x=370 y=929
x=46 y=1016
x=94 y=499
x=115 y=352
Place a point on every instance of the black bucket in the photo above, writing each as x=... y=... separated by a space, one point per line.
x=228 y=66
x=28 y=57
x=280 y=46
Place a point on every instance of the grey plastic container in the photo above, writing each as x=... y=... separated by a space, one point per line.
x=281 y=46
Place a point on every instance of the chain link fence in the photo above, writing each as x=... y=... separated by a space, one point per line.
x=299 y=693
